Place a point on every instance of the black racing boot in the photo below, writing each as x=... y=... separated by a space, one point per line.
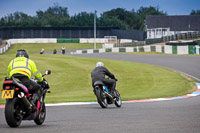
x=33 y=102
x=113 y=93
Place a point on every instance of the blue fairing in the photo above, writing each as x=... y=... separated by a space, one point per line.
x=106 y=89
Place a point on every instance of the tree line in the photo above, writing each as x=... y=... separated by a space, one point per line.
x=58 y=16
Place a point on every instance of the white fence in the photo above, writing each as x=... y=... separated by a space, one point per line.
x=5 y=48
x=33 y=40
x=179 y=50
x=92 y=40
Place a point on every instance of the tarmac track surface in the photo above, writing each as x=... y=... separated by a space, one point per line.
x=175 y=116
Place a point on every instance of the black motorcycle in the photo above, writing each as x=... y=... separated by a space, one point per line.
x=63 y=51
x=18 y=106
x=104 y=97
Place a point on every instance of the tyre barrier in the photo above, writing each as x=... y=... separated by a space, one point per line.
x=167 y=49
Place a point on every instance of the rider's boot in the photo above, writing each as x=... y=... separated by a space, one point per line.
x=113 y=93
x=33 y=101
x=113 y=90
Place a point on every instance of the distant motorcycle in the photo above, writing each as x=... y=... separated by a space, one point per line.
x=18 y=106
x=54 y=51
x=103 y=95
x=63 y=51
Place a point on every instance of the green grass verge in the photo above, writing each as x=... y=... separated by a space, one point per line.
x=70 y=80
x=36 y=47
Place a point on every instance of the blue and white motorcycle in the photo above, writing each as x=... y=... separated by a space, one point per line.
x=104 y=97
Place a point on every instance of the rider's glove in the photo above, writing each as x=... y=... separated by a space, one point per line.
x=116 y=79
x=44 y=83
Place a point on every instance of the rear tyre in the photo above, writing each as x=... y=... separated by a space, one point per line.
x=101 y=98
x=12 y=112
x=39 y=120
x=118 y=101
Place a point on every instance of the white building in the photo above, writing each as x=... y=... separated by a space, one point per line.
x=159 y=26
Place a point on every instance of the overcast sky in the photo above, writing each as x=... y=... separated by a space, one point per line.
x=172 y=7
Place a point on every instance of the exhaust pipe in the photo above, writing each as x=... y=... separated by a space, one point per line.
x=25 y=100
x=109 y=95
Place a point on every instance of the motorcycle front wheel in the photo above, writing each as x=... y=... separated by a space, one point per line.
x=118 y=101
x=13 y=112
x=40 y=118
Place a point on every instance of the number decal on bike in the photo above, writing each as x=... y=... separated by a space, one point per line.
x=6 y=94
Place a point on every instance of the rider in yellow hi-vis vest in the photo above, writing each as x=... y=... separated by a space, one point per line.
x=23 y=68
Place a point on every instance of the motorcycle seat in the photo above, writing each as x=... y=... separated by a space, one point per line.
x=99 y=83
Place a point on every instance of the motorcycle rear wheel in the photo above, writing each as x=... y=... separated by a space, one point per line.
x=39 y=120
x=101 y=98
x=12 y=112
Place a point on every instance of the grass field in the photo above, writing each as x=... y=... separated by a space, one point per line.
x=70 y=80
x=35 y=48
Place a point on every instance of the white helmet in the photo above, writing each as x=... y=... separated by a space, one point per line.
x=99 y=64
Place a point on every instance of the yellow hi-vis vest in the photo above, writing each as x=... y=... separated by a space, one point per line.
x=24 y=66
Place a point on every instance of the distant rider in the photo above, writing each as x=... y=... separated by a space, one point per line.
x=63 y=50
x=54 y=51
x=22 y=68
x=99 y=73
x=42 y=51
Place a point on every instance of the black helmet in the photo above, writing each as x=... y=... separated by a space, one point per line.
x=22 y=53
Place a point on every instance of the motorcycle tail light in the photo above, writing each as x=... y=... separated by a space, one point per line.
x=16 y=89
x=7 y=87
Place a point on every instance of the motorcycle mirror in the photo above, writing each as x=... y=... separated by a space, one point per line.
x=48 y=72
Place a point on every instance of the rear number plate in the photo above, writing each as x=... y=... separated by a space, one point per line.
x=6 y=94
